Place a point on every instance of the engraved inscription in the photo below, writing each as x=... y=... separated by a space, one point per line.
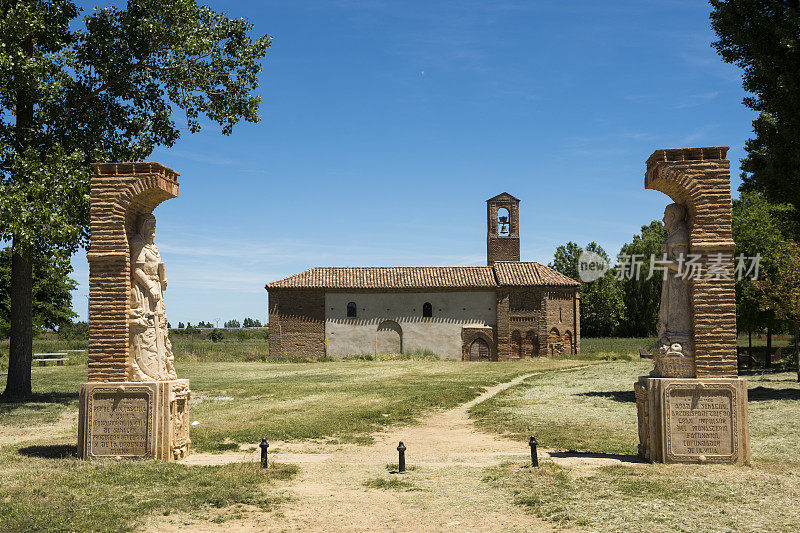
x=700 y=421
x=120 y=423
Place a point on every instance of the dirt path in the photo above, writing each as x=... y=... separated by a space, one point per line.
x=446 y=455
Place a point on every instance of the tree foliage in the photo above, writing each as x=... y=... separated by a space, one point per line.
x=602 y=306
x=779 y=287
x=52 y=296
x=759 y=228
x=642 y=296
x=762 y=37
x=107 y=89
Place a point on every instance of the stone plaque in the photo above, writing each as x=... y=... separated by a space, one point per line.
x=120 y=422
x=701 y=422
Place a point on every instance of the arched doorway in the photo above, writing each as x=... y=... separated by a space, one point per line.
x=389 y=337
x=531 y=344
x=516 y=343
x=479 y=350
x=553 y=342
x=568 y=342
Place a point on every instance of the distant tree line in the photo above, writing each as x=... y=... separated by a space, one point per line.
x=228 y=324
x=615 y=305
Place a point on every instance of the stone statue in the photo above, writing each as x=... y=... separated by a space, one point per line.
x=674 y=350
x=150 y=346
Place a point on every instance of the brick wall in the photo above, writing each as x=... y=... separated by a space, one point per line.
x=526 y=315
x=561 y=314
x=120 y=192
x=699 y=178
x=297 y=322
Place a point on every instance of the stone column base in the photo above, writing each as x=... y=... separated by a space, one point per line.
x=686 y=420
x=134 y=419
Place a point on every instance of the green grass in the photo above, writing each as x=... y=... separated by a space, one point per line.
x=588 y=409
x=55 y=393
x=346 y=400
x=42 y=492
x=243 y=402
x=592 y=410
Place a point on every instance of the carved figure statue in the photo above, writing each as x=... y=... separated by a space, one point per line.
x=150 y=345
x=674 y=350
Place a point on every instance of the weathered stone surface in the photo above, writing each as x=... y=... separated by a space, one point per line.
x=699 y=179
x=693 y=420
x=694 y=409
x=133 y=405
x=125 y=419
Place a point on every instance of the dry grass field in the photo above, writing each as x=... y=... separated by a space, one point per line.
x=334 y=426
x=592 y=412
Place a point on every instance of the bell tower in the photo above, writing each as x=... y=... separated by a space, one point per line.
x=502 y=228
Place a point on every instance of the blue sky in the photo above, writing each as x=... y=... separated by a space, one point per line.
x=386 y=125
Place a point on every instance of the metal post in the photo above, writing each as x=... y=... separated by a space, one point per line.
x=534 y=457
x=264 y=445
x=401 y=460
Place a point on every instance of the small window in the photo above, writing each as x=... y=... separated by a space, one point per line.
x=352 y=310
x=427 y=310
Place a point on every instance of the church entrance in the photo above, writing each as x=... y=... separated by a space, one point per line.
x=479 y=350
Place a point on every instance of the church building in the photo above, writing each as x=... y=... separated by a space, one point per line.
x=509 y=309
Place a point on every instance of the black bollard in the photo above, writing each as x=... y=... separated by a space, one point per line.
x=264 y=445
x=534 y=457
x=401 y=460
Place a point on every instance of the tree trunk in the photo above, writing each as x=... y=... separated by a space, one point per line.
x=18 y=383
x=749 y=347
x=21 y=352
x=768 y=359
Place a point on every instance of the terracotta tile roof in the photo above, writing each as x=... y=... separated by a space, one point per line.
x=389 y=278
x=466 y=277
x=530 y=273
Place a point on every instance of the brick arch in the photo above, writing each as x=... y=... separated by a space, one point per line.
x=568 y=346
x=120 y=192
x=553 y=342
x=699 y=178
x=531 y=343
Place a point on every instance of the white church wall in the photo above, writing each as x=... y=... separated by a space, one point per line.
x=440 y=333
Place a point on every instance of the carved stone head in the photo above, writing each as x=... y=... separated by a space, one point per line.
x=674 y=214
x=146 y=226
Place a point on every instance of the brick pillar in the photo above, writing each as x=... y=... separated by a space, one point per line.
x=120 y=192
x=699 y=178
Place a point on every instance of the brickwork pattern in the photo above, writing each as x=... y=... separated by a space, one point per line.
x=469 y=335
x=297 y=322
x=699 y=178
x=120 y=192
x=527 y=315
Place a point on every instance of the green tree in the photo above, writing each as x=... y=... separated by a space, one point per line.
x=233 y=323
x=763 y=38
x=759 y=227
x=74 y=331
x=642 y=296
x=102 y=90
x=52 y=292
x=602 y=306
x=565 y=260
x=779 y=286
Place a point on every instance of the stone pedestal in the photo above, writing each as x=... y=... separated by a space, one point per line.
x=134 y=419
x=693 y=420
